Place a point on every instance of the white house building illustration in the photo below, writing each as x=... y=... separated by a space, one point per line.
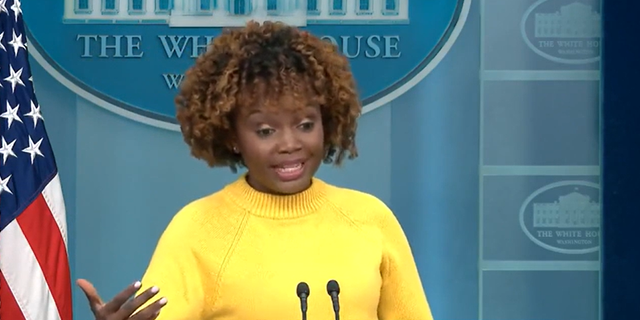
x=575 y=20
x=574 y=210
x=228 y=13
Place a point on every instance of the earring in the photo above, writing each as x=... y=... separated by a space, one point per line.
x=235 y=150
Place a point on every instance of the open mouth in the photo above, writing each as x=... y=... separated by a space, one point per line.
x=291 y=171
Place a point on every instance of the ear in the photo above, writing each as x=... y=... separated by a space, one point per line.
x=232 y=143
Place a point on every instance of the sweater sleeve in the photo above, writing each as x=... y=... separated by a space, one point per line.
x=402 y=295
x=175 y=269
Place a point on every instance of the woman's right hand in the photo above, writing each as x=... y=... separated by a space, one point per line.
x=121 y=307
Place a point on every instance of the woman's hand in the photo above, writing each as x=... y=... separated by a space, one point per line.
x=122 y=307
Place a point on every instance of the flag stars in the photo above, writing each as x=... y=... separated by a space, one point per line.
x=14 y=78
x=11 y=115
x=34 y=114
x=4 y=185
x=2 y=37
x=7 y=150
x=3 y=7
x=16 y=9
x=16 y=43
x=33 y=149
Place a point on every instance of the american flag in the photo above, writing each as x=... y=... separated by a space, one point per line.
x=35 y=280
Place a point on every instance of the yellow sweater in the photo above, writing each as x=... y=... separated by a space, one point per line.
x=239 y=254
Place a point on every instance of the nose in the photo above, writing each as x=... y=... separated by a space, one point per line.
x=289 y=142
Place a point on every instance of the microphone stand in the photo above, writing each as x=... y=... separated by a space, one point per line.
x=333 y=289
x=303 y=293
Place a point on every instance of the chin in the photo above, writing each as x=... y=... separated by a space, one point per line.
x=291 y=187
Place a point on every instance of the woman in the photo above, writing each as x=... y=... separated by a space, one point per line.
x=277 y=101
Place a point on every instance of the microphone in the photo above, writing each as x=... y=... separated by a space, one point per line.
x=303 y=293
x=333 y=289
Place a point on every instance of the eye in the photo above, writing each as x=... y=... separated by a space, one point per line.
x=264 y=132
x=307 y=126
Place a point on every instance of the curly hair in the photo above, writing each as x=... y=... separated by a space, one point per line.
x=271 y=55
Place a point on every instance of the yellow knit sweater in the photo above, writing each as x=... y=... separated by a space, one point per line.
x=239 y=254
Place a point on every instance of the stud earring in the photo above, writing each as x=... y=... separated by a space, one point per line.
x=235 y=150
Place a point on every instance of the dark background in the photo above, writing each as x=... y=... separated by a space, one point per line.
x=620 y=160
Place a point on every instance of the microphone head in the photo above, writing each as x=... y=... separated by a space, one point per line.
x=302 y=289
x=332 y=286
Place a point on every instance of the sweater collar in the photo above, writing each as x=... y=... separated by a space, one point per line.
x=278 y=206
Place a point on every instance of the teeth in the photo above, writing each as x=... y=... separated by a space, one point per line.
x=290 y=168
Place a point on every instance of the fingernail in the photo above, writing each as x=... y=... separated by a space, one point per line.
x=163 y=301
x=155 y=289
x=137 y=285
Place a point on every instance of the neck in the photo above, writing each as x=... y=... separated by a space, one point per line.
x=278 y=206
x=255 y=185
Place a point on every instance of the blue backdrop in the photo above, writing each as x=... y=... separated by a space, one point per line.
x=458 y=158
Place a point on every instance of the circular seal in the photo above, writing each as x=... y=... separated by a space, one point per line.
x=129 y=56
x=563 y=31
x=563 y=217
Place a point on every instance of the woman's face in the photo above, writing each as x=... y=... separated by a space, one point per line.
x=281 y=143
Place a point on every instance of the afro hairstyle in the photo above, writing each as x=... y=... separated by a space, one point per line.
x=270 y=55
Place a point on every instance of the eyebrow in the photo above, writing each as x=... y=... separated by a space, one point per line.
x=253 y=112
x=304 y=112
